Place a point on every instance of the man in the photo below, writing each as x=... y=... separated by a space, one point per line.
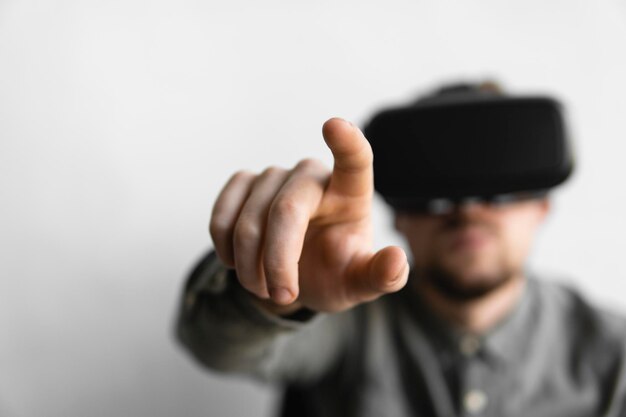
x=295 y=295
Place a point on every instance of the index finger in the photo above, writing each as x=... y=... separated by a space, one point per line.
x=353 y=174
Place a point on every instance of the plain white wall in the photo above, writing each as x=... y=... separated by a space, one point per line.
x=120 y=121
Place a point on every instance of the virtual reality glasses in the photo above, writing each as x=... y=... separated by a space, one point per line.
x=469 y=147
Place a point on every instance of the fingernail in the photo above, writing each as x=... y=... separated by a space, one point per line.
x=281 y=295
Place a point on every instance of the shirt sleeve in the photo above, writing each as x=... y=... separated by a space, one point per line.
x=225 y=330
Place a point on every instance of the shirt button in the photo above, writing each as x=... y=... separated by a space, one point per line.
x=469 y=345
x=475 y=401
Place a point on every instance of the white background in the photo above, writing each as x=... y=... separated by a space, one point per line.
x=120 y=120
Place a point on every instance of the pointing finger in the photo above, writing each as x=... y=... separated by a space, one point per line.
x=352 y=172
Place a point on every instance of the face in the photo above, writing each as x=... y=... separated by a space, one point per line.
x=475 y=248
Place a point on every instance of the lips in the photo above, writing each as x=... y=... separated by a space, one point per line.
x=467 y=238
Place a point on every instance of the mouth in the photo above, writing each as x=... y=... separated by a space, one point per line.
x=467 y=238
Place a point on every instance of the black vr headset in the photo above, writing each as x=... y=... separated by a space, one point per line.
x=467 y=144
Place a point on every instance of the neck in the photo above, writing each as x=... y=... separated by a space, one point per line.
x=478 y=315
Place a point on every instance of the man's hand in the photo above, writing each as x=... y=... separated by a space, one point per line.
x=303 y=237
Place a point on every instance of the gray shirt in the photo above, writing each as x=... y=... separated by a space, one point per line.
x=553 y=355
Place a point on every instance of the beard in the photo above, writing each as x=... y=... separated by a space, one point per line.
x=456 y=287
x=471 y=276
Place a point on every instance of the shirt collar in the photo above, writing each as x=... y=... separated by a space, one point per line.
x=506 y=341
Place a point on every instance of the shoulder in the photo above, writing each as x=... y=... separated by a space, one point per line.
x=571 y=304
x=595 y=332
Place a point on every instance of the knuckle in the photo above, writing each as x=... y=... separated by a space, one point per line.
x=241 y=175
x=247 y=231
x=365 y=157
x=357 y=160
x=310 y=164
x=272 y=171
x=286 y=208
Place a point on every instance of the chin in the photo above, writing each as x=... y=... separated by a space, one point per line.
x=469 y=278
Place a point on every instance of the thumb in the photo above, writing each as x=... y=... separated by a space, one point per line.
x=383 y=272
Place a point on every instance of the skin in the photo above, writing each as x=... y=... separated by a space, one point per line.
x=468 y=264
x=303 y=238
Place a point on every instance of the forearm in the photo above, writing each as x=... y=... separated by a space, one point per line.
x=227 y=329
